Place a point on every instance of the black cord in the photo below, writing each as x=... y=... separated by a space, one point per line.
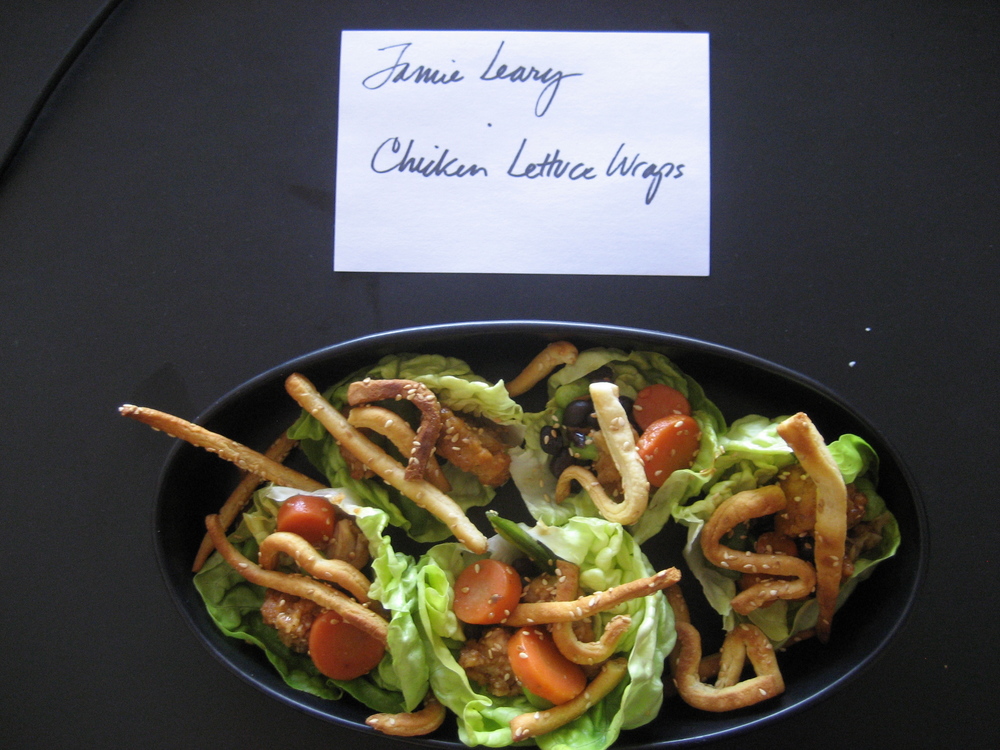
x=53 y=83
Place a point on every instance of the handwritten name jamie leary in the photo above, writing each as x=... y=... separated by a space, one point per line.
x=392 y=157
x=402 y=72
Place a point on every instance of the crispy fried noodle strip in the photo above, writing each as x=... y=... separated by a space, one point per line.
x=298 y=585
x=338 y=572
x=738 y=509
x=391 y=425
x=709 y=666
x=368 y=390
x=564 y=635
x=620 y=440
x=536 y=723
x=831 y=513
x=555 y=354
x=247 y=459
x=728 y=693
x=414 y=724
x=545 y=613
x=240 y=496
x=690 y=671
x=423 y=493
x=607 y=506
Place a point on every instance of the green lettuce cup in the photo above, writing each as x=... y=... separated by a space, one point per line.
x=536 y=465
x=753 y=455
x=400 y=681
x=456 y=387
x=607 y=556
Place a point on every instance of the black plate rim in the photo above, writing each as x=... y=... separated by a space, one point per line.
x=393 y=340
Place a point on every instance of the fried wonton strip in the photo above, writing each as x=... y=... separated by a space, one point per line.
x=606 y=505
x=240 y=496
x=546 y=613
x=620 y=440
x=727 y=694
x=708 y=667
x=247 y=459
x=391 y=425
x=306 y=557
x=298 y=585
x=564 y=634
x=831 y=513
x=423 y=493
x=555 y=354
x=536 y=723
x=742 y=507
x=420 y=722
x=590 y=652
x=368 y=390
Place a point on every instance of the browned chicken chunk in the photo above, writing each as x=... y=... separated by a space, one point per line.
x=485 y=662
x=473 y=449
x=291 y=616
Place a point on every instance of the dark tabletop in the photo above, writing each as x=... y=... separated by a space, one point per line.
x=166 y=219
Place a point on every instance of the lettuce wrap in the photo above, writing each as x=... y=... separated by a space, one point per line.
x=457 y=388
x=607 y=556
x=631 y=372
x=400 y=681
x=754 y=455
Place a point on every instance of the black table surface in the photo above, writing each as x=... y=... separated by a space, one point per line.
x=166 y=220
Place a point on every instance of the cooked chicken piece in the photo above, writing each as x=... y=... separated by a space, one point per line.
x=485 y=662
x=348 y=543
x=604 y=467
x=291 y=616
x=799 y=516
x=540 y=589
x=473 y=449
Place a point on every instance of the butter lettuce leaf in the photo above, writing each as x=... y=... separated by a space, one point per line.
x=400 y=681
x=607 y=556
x=457 y=387
x=631 y=372
x=753 y=454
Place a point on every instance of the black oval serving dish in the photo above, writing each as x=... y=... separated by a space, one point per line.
x=195 y=483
